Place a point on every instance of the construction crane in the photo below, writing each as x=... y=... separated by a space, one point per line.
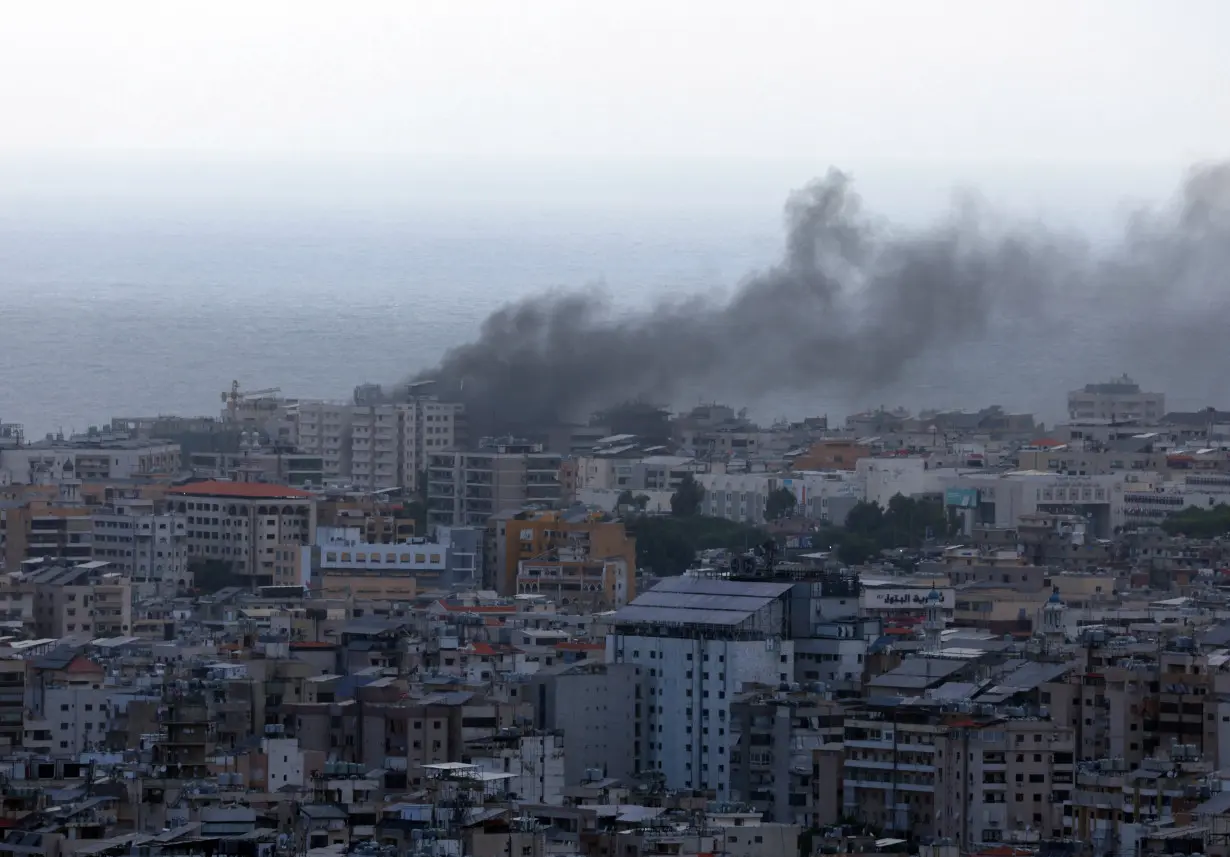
x=235 y=396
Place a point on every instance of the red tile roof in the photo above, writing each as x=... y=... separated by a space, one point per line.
x=81 y=664
x=241 y=490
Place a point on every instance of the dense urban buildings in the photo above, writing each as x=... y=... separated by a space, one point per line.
x=307 y=627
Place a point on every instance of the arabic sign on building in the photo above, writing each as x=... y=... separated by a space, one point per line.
x=964 y=498
x=913 y=599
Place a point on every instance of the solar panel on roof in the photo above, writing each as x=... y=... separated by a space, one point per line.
x=717 y=586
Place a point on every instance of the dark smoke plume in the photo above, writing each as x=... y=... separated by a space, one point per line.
x=853 y=303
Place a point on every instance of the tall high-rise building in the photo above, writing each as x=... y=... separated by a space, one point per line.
x=700 y=641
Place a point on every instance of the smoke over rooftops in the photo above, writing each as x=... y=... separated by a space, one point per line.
x=853 y=302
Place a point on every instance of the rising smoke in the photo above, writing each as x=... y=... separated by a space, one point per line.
x=851 y=306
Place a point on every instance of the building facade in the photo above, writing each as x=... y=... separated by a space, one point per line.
x=254 y=529
x=149 y=548
x=1121 y=400
x=699 y=642
x=467 y=488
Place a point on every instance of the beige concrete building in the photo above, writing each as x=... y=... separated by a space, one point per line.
x=1002 y=780
x=323 y=428
x=255 y=529
x=90 y=598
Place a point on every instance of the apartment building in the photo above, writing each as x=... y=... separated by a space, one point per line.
x=375 y=447
x=17 y=602
x=467 y=488
x=699 y=641
x=1004 y=779
x=600 y=709
x=780 y=742
x=428 y=426
x=88 y=458
x=342 y=564
x=623 y=471
x=149 y=548
x=1120 y=400
x=12 y=704
x=381 y=518
x=1116 y=806
x=892 y=763
x=323 y=429
x=255 y=529
x=569 y=559
x=280 y=464
x=89 y=598
x=1001 y=499
x=744 y=496
x=40 y=529
x=68 y=705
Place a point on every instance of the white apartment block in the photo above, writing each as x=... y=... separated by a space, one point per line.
x=150 y=549
x=1001 y=499
x=323 y=428
x=375 y=447
x=699 y=642
x=428 y=426
x=256 y=528
x=646 y=473
x=744 y=496
x=50 y=461
x=1119 y=401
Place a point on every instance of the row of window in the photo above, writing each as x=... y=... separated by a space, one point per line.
x=376 y=557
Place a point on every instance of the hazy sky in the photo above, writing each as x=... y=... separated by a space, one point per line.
x=1091 y=80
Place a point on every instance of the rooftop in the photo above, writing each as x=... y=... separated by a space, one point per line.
x=701 y=601
x=240 y=490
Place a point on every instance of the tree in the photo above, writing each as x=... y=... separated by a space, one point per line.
x=779 y=504
x=865 y=518
x=668 y=545
x=856 y=549
x=1198 y=523
x=625 y=498
x=641 y=501
x=686 y=500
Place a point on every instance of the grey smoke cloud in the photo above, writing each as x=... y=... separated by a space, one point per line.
x=852 y=305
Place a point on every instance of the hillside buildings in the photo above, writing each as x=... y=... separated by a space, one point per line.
x=216 y=659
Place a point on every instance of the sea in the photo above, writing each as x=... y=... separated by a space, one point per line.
x=131 y=287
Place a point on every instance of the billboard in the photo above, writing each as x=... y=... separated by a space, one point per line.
x=912 y=599
x=962 y=498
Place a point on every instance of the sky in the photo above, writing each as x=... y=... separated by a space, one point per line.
x=1108 y=81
